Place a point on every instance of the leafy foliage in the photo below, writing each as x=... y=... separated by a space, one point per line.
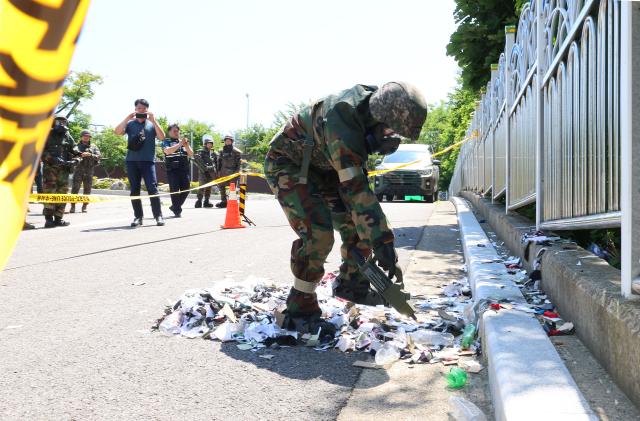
x=78 y=87
x=112 y=147
x=446 y=124
x=478 y=40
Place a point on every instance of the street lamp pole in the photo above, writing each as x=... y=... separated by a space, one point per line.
x=247 y=95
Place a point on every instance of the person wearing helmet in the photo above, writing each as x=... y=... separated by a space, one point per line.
x=228 y=163
x=83 y=174
x=59 y=157
x=316 y=166
x=207 y=161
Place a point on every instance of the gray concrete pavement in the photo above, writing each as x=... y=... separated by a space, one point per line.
x=74 y=326
x=419 y=392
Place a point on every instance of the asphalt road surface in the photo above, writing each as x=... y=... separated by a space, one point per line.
x=78 y=302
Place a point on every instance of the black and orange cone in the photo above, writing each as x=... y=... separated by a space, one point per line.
x=232 y=219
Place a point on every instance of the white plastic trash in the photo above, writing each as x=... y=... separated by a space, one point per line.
x=464 y=410
x=387 y=354
x=172 y=324
x=431 y=337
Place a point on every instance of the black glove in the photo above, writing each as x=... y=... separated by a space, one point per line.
x=387 y=258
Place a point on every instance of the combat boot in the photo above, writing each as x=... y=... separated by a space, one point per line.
x=49 y=223
x=59 y=222
x=72 y=209
x=84 y=208
x=207 y=204
x=303 y=315
x=357 y=291
x=221 y=205
x=199 y=203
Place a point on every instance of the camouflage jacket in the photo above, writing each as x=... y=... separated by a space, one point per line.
x=206 y=160
x=59 y=147
x=340 y=125
x=87 y=164
x=228 y=162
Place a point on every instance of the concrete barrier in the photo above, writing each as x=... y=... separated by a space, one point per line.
x=527 y=377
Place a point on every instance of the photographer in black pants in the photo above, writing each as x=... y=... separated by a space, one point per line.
x=177 y=153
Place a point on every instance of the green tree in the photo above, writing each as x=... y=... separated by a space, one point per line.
x=113 y=149
x=78 y=88
x=478 y=40
x=447 y=123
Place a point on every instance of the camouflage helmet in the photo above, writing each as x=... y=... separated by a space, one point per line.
x=401 y=107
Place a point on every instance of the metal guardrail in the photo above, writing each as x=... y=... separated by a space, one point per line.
x=552 y=117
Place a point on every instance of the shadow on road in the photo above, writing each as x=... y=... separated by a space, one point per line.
x=303 y=363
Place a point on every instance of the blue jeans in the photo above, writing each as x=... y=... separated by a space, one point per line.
x=137 y=171
x=178 y=180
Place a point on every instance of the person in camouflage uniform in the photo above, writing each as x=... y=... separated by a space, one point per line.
x=59 y=157
x=83 y=174
x=228 y=163
x=334 y=192
x=207 y=161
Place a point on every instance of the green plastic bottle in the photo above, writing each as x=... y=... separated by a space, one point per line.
x=468 y=335
x=457 y=378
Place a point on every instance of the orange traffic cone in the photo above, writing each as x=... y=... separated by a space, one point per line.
x=232 y=220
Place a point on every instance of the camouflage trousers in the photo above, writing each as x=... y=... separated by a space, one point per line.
x=223 y=188
x=55 y=180
x=81 y=178
x=314 y=211
x=204 y=179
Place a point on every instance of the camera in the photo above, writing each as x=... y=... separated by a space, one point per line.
x=141 y=115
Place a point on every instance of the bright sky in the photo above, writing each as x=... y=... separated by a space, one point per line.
x=199 y=58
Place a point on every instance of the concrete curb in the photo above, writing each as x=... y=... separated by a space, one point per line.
x=587 y=294
x=528 y=379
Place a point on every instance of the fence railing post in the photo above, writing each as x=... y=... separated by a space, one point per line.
x=630 y=143
x=493 y=120
x=539 y=110
x=510 y=38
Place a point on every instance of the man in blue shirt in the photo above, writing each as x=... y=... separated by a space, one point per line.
x=142 y=129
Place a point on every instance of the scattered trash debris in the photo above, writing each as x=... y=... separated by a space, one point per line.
x=465 y=410
x=250 y=314
x=137 y=284
x=457 y=378
x=537 y=237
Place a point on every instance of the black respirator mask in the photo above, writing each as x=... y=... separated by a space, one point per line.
x=378 y=142
x=227 y=148
x=59 y=127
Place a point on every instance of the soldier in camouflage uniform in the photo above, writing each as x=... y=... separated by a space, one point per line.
x=207 y=161
x=83 y=174
x=228 y=163
x=333 y=191
x=59 y=157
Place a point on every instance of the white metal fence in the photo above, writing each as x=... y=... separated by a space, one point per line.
x=548 y=127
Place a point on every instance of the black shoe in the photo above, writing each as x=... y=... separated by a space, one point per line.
x=310 y=324
x=357 y=292
x=136 y=222
x=199 y=203
x=72 y=209
x=159 y=221
x=175 y=213
x=84 y=208
x=59 y=222
x=208 y=204
x=28 y=226
x=221 y=205
x=49 y=222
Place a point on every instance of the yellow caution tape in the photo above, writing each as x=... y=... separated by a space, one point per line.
x=82 y=198
x=473 y=135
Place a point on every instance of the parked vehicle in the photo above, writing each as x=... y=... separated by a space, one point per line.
x=418 y=179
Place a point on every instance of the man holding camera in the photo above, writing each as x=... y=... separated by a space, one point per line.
x=207 y=161
x=142 y=129
x=59 y=157
x=83 y=175
x=177 y=153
